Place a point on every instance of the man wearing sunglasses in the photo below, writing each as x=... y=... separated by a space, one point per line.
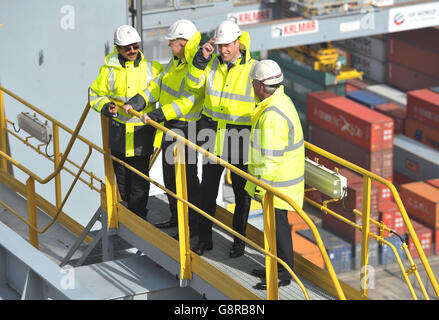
x=125 y=73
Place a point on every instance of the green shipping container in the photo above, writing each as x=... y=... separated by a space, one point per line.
x=285 y=61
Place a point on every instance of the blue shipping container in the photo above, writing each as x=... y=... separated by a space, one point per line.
x=435 y=89
x=366 y=98
x=339 y=250
x=373 y=254
x=387 y=256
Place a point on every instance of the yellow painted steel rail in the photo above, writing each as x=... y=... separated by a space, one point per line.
x=366 y=220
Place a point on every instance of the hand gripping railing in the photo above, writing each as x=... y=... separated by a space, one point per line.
x=30 y=183
x=269 y=225
x=367 y=176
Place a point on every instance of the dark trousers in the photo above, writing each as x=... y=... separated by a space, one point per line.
x=192 y=181
x=284 y=243
x=208 y=194
x=134 y=189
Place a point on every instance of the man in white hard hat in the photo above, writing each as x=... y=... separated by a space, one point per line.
x=125 y=73
x=276 y=157
x=166 y=89
x=223 y=80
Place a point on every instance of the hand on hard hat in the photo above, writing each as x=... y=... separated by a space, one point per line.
x=209 y=47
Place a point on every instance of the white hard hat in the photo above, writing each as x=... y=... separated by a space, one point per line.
x=268 y=72
x=227 y=31
x=125 y=35
x=181 y=29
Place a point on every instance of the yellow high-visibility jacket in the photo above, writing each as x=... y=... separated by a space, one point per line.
x=168 y=87
x=117 y=82
x=228 y=94
x=276 y=151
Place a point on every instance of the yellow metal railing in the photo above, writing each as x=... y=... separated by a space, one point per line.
x=366 y=220
x=111 y=199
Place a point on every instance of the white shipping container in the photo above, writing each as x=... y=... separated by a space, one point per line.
x=373 y=69
x=390 y=93
x=369 y=46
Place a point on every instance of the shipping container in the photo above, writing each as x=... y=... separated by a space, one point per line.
x=421 y=201
x=287 y=63
x=423 y=105
x=406 y=79
x=297 y=88
x=391 y=94
x=360 y=84
x=433 y=182
x=387 y=255
x=379 y=162
x=417 y=49
x=399 y=179
x=384 y=192
x=369 y=129
x=422 y=133
x=425 y=237
x=369 y=46
x=435 y=89
x=339 y=251
x=436 y=241
x=392 y=218
x=307 y=250
x=366 y=98
x=415 y=160
x=397 y=113
x=373 y=254
x=296 y=222
x=373 y=69
x=350 y=88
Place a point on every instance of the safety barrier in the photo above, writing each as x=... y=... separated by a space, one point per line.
x=108 y=192
x=365 y=223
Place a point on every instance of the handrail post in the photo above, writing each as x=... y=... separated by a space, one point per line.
x=182 y=210
x=32 y=212
x=56 y=161
x=110 y=186
x=3 y=165
x=364 y=235
x=270 y=246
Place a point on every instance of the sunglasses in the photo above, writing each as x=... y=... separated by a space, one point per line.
x=128 y=47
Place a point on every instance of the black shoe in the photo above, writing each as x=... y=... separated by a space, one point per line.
x=237 y=250
x=166 y=224
x=263 y=285
x=202 y=246
x=258 y=273
x=176 y=236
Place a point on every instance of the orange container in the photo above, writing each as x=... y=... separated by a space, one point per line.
x=425 y=237
x=422 y=133
x=296 y=222
x=307 y=249
x=396 y=112
x=421 y=201
x=433 y=182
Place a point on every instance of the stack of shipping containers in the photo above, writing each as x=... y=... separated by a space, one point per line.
x=387 y=123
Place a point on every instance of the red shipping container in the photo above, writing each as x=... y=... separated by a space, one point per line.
x=406 y=79
x=384 y=193
x=423 y=105
x=436 y=242
x=396 y=112
x=399 y=179
x=421 y=202
x=422 y=133
x=359 y=84
x=350 y=88
x=367 y=128
x=391 y=216
x=379 y=162
x=433 y=182
x=417 y=49
x=425 y=237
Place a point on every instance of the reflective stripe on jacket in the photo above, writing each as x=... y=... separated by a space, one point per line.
x=118 y=84
x=276 y=151
x=169 y=87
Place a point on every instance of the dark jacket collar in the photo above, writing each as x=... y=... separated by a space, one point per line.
x=122 y=60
